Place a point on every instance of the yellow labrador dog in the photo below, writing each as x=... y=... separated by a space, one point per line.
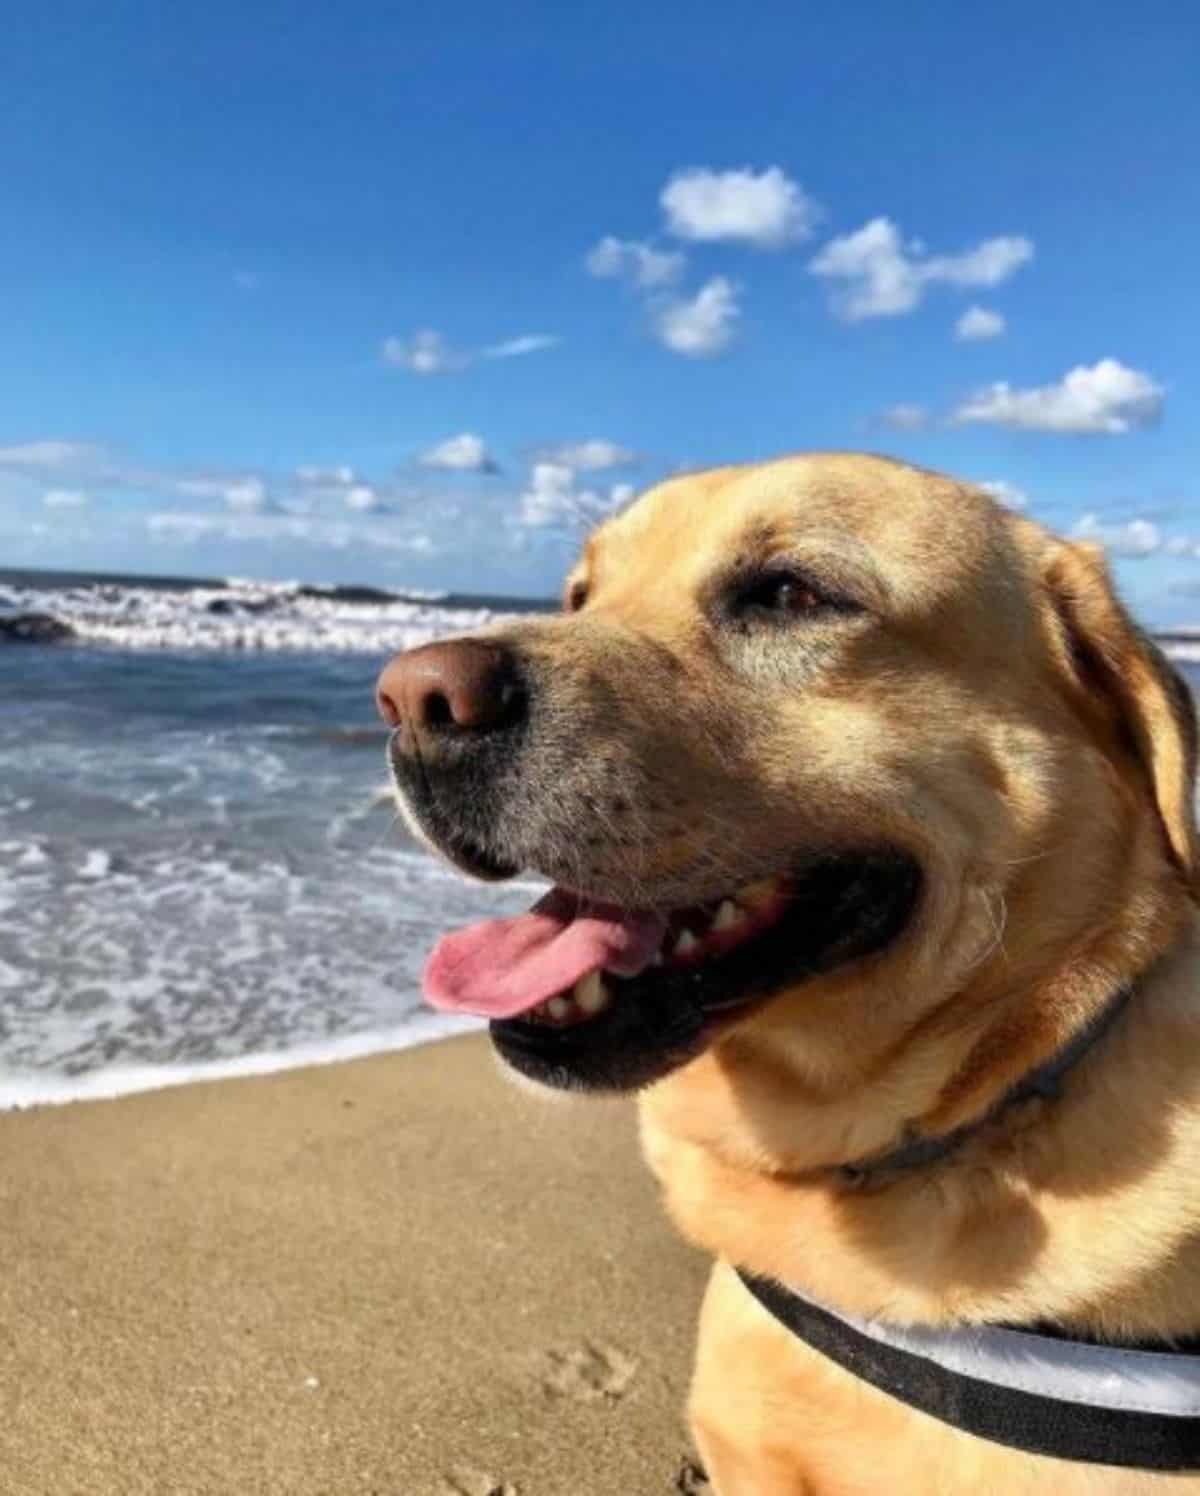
x=869 y=814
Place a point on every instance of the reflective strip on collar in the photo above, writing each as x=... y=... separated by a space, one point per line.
x=1065 y=1398
x=1105 y=1376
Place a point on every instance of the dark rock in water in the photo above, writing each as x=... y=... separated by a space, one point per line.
x=239 y=605
x=33 y=628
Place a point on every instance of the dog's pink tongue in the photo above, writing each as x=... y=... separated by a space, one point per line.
x=507 y=966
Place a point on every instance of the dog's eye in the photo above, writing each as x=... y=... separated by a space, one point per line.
x=780 y=595
x=577 y=594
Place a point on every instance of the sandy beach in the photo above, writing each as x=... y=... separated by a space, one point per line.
x=398 y=1276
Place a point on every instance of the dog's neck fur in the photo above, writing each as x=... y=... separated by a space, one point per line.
x=916 y=1150
x=745 y=1150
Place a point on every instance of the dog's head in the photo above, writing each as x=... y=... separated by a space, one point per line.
x=804 y=737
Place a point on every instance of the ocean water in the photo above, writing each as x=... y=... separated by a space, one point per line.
x=201 y=871
x=200 y=868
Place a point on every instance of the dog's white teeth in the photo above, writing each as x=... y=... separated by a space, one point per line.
x=591 y=994
x=686 y=943
x=727 y=916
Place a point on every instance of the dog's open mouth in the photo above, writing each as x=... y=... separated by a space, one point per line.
x=590 y=996
x=691 y=937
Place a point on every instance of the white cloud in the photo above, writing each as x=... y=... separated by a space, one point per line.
x=553 y=501
x=328 y=505
x=336 y=534
x=1107 y=398
x=51 y=455
x=363 y=499
x=906 y=417
x=703 y=326
x=765 y=209
x=988 y=264
x=978 y=323
x=246 y=493
x=882 y=280
x=884 y=277
x=1136 y=538
x=91 y=467
x=550 y=496
x=240 y=492
x=466 y=453
x=533 y=342
x=326 y=477
x=1006 y=493
x=646 y=267
x=591 y=456
x=426 y=352
x=696 y=327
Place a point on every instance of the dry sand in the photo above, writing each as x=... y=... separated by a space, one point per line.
x=398 y=1276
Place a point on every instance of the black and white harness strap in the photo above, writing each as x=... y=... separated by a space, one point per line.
x=1069 y=1399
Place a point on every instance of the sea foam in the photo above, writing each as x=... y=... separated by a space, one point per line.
x=29 y=1090
x=242 y=615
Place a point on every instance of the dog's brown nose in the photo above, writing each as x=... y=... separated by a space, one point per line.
x=459 y=683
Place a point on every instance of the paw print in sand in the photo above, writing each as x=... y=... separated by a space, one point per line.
x=589 y=1373
x=467 y=1481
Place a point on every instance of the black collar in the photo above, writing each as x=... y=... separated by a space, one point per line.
x=1046 y=1081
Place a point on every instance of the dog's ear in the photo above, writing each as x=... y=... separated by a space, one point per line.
x=1117 y=671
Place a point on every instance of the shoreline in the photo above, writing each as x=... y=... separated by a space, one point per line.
x=26 y=1090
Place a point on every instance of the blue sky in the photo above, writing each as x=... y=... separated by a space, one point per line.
x=365 y=292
